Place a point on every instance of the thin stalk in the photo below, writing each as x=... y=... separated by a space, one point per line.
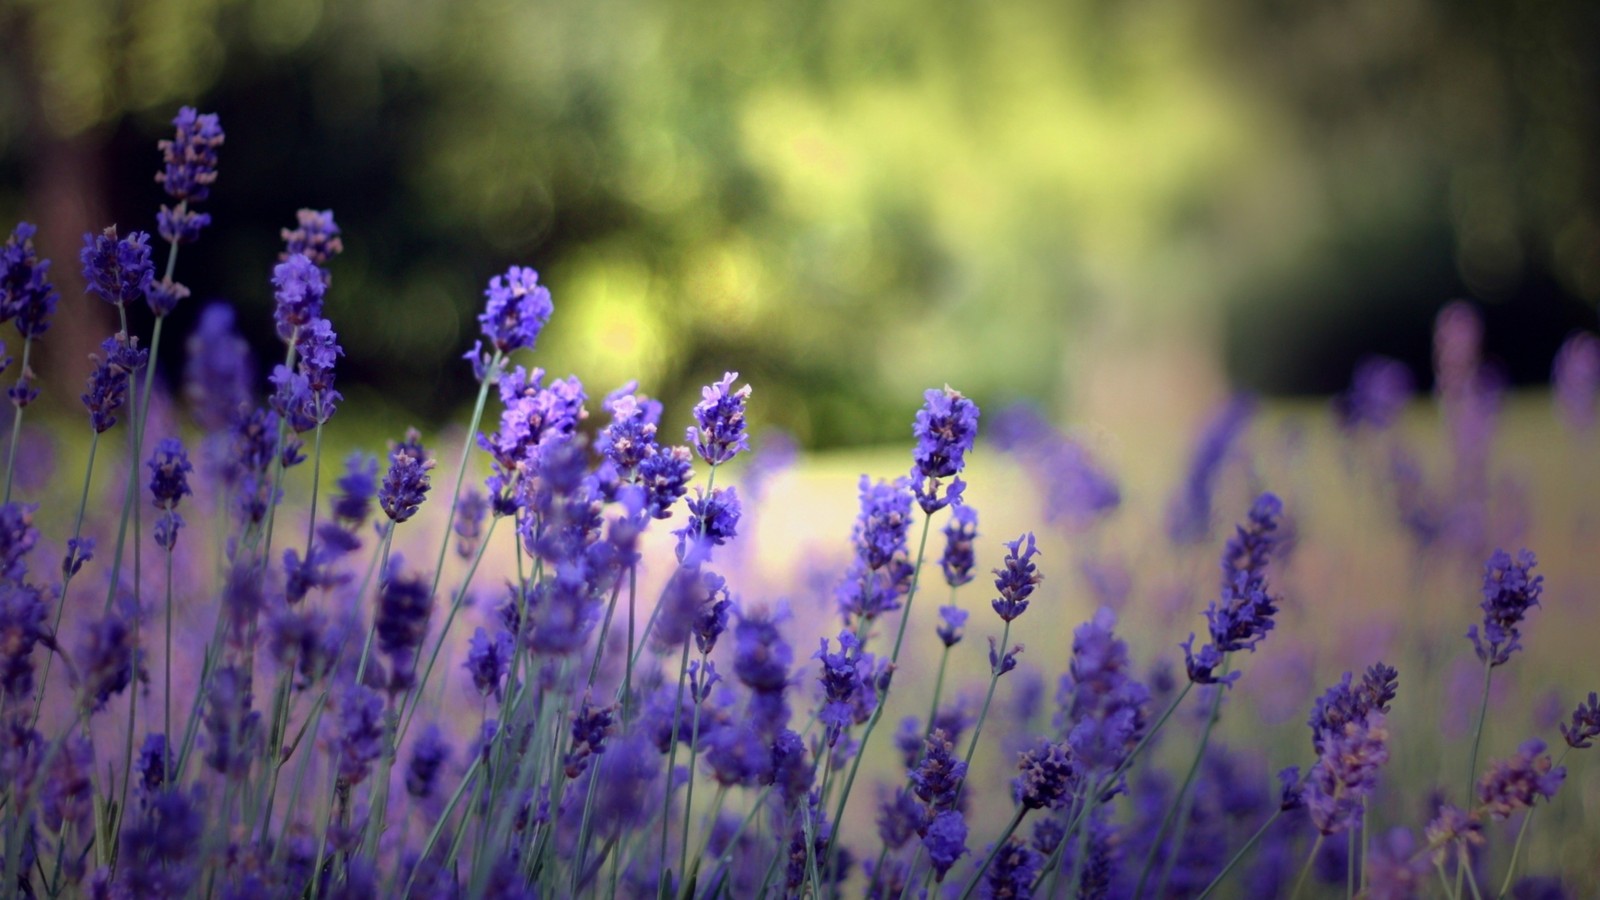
x=489 y=377
x=1305 y=871
x=627 y=673
x=127 y=750
x=299 y=774
x=717 y=801
x=672 y=761
x=994 y=679
x=999 y=845
x=1477 y=733
x=1350 y=864
x=1182 y=800
x=131 y=496
x=166 y=724
x=16 y=420
x=877 y=713
x=366 y=648
x=1237 y=857
x=66 y=576
x=938 y=690
x=694 y=751
x=1463 y=864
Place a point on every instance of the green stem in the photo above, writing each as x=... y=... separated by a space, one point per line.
x=16 y=420
x=1305 y=871
x=166 y=725
x=694 y=751
x=131 y=496
x=988 y=698
x=672 y=761
x=1182 y=801
x=1240 y=855
x=66 y=576
x=1477 y=733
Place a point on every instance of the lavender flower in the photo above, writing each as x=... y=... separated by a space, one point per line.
x=358 y=734
x=1575 y=378
x=1078 y=490
x=591 y=725
x=219 y=374
x=900 y=817
x=665 y=476
x=117 y=270
x=1102 y=706
x=315 y=236
x=535 y=416
x=761 y=662
x=108 y=384
x=1453 y=829
x=1189 y=511
x=109 y=660
x=1509 y=589
x=1049 y=774
x=191 y=158
x=22 y=618
x=1244 y=613
x=1011 y=875
x=164 y=296
x=298 y=289
x=937 y=778
x=488 y=659
x=952 y=622
x=516 y=309
x=26 y=295
x=1515 y=783
x=880 y=571
x=1016 y=580
x=718 y=434
x=959 y=533
x=406 y=484
x=945 y=429
x=847 y=684
x=713 y=521
x=17 y=538
x=946 y=841
x=1585 y=726
x=1379 y=391
x=159 y=847
x=405 y=604
x=1349 y=733
x=232 y=727
x=428 y=756
x=169 y=483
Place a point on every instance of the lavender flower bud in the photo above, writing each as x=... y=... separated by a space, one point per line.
x=298 y=288
x=25 y=291
x=517 y=307
x=117 y=271
x=191 y=158
x=718 y=434
x=219 y=374
x=108 y=383
x=314 y=236
x=959 y=533
x=428 y=756
x=406 y=484
x=1016 y=579
x=952 y=622
x=1510 y=589
x=945 y=429
x=1585 y=725
x=1515 y=783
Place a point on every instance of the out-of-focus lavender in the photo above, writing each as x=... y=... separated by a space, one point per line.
x=309 y=695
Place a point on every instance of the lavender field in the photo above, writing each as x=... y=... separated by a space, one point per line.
x=259 y=642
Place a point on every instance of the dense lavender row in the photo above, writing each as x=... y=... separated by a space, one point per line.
x=290 y=734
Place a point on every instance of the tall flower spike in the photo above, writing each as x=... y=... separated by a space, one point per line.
x=1515 y=783
x=1243 y=615
x=315 y=236
x=718 y=434
x=406 y=484
x=298 y=288
x=959 y=533
x=169 y=483
x=219 y=377
x=188 y=171
x=1510 y=589
x=515 y=310
x=1016 y=580
x=945 y=429
x=117 y=270
x=26 y=295
x=108 y=383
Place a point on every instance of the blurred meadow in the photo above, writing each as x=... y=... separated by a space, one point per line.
x=1121 y=215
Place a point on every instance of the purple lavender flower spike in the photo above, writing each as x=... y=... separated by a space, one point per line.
x=26 y=295
x=1515 y=783
x=298 y=289
x=357 y=487
x=109 y=660
x=315 y=236
x=713 y=521
x=1350 y=736
x=160 y=846
x=405 y=605
x=946 y=841
x=488 y=659
x=937 y=779
x=1011 y=875
x=591 y=725
x=665 y=476
x=1189 y=511
x=22 y=626
x=108 y=383
x=428 y=756
x=1510 y=589
x=718 y=434
x=164 y=296
x=117 y=270
x=1575 y=378
x=189 y=170
x=846 y=684
x=1244 y=613
x=169 y=483
x=1379 y=391
x=945 y=429
x=952 y=623
x=406 y=484
x=1102 y=706
x=1585 y=726
x=959 y=533
x=517 y=307
x=1016 y=580
x=471 y=511
x=358 y=734
x=219 y=375
x=1078 y=490
x=1049 y=774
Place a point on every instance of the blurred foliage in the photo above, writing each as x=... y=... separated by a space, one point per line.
x=851 y=202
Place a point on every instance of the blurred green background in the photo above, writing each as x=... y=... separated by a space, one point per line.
x=1092 y=204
